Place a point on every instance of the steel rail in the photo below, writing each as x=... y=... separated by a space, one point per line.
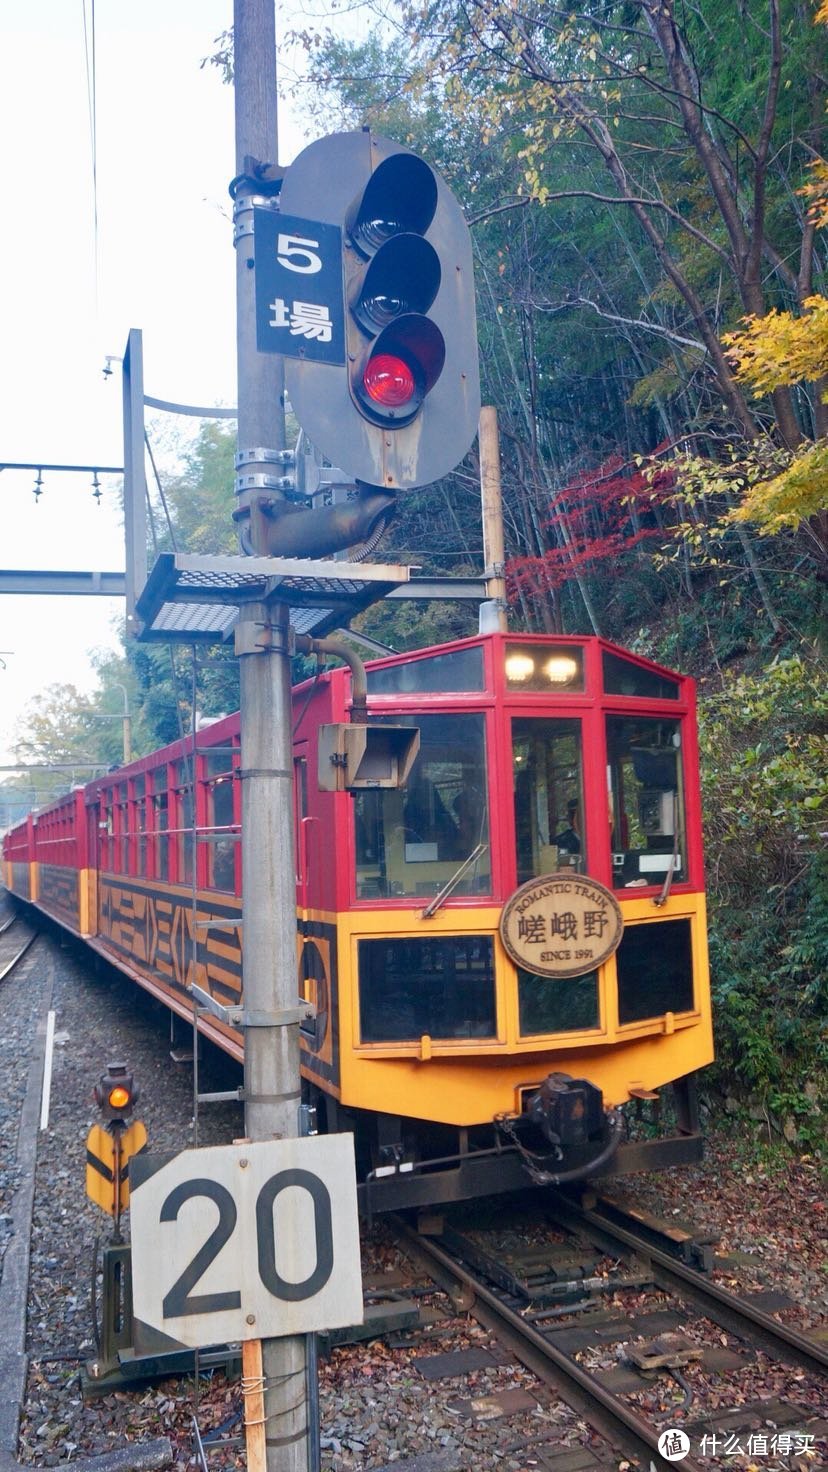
x=717 y=1303
x=10 y=965
x=582 y=1391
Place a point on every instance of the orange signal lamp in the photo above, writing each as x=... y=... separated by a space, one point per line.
x=116 y=1094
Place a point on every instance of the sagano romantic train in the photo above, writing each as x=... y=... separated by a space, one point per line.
x=506 y=955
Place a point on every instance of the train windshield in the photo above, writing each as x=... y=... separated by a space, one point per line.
x=548 y=776
x=410 y=842
x=646 y=788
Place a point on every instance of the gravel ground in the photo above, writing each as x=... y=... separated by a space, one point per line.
x=772 y=1217
x=22 y=1004
x=100 y=1017
x=375 y=1407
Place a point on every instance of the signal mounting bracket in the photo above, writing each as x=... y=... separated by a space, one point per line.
x=240 y=1017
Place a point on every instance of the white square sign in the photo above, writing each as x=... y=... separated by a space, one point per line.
x=246 y=1241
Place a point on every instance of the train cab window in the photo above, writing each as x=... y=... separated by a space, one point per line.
x=546 y=753
x=537 y=669
x=655 y=970
x=442 y=987
x=160 y=822
x=410 y=842
x=222 y=832
x=550 y=1005
x=622 y=677
x=644 y=776
x=438 y=674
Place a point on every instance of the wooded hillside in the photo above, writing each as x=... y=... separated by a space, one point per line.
x=647 y=187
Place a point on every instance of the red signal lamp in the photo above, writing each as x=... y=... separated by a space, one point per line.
x=389 y=381
x=401 y=368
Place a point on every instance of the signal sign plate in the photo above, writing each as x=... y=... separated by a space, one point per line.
x=100 y=1164
x=300 y=308
x=247 y=1241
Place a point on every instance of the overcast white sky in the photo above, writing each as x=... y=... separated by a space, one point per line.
x=164 y=264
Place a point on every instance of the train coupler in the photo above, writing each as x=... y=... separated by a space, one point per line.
x=567 y=1111
x=580 y=1136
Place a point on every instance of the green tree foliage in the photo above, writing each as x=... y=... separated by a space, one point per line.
x=192 y=509
x=664 y=125
x=59 y=738
x=776 y=351
x=624 y=174
x=191 y=512
x=765 y=766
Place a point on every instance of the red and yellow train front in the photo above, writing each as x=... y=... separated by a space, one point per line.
x=537 y=756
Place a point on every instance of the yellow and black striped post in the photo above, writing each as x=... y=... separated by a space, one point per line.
x=108 y=1153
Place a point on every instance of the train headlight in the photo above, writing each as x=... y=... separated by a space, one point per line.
x=560 y=669
x=519 y=667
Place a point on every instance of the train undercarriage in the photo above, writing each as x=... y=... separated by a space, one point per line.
x=403 y=1163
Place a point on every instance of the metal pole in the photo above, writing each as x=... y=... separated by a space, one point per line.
x=127 y=723
x=271 y=1053
x=135 y=485
x=492 y=614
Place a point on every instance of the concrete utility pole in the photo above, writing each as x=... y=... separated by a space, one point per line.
x=271 y=1050
x=492 y=613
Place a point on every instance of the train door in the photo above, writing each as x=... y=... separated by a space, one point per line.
x=93 y=849
x=550 y=837
x=301 y=825
x=316 y=938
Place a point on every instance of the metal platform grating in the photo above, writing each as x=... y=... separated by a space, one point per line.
x=196 y=599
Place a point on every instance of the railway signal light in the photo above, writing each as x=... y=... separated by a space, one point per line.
x=116 y=1094
x=392 y=276
x=402 y=410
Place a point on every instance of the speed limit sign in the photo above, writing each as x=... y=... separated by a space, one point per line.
x=247 y=1241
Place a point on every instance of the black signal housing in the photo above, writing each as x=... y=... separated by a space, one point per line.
x=116 y=1093
x=408 y=290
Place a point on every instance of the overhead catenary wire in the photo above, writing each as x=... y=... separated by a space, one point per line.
x=89 y=43
x=161 y=496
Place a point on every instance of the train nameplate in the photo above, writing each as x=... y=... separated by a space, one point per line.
x=561 y=924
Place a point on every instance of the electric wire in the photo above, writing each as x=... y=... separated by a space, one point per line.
x=162 y=498
x=89 y=46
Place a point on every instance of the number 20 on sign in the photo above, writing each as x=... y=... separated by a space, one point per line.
x=247 y=1241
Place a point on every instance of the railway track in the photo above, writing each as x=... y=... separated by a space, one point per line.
x=571 y=1291
x=563 y=1313
x=16 y=936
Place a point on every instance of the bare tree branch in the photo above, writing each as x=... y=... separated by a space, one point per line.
x=627 y=199
x=639 y=323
